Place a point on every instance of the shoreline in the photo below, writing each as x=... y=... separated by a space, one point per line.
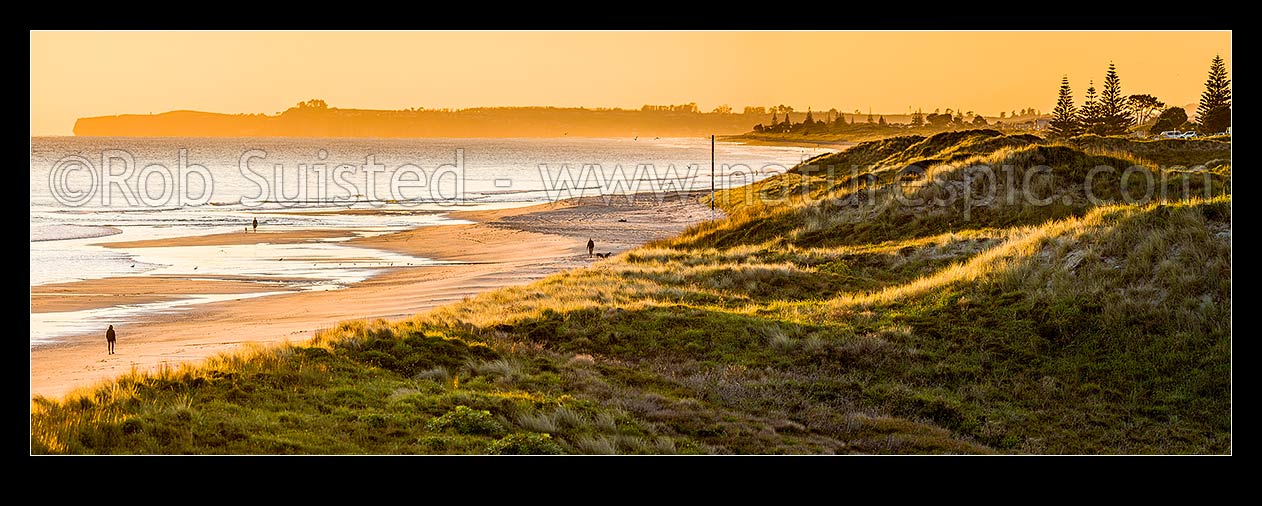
x=501 y=248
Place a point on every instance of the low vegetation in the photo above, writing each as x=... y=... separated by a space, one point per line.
x=824 y=315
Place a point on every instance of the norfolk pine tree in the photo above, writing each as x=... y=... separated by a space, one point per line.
x=1214 y=112
x=1064 y=117
x=1112 y=111
x=1089 y=115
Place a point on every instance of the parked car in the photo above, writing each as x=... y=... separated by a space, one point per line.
x=1175 y=134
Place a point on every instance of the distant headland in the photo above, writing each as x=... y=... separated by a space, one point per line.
x=314 y=118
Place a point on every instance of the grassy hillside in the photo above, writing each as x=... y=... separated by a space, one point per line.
x=823 y=316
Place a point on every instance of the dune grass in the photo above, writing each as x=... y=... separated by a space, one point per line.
x=801 y=325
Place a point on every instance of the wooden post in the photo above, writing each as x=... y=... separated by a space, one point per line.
x=712 y=177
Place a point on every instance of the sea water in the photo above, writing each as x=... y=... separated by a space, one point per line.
x=85 y=191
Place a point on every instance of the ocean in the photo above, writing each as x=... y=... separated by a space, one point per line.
x=85 y=191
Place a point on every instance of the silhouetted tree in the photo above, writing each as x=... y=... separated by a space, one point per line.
x=939 y=120
x=881 y=121
x=1171 y=119
x=1216 y=122
x=1089 y=115
x=1114 y=116
x=1143 y=106
x=978 y=120
x=1214 y=112
x=314 y=103
x=1064 y=118
x=918 y=119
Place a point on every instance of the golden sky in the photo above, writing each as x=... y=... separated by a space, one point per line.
x=94 y=73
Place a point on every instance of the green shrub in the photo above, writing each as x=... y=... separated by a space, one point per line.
x=524 y=444
x=466 y=420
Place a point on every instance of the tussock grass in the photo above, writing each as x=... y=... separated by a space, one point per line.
x=1160 y=152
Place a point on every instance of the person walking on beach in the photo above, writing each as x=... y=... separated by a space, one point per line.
x=256 y=225
x=591 y=246
x=109 y=338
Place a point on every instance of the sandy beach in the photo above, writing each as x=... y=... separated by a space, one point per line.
x=95 y=293
x=501 y=248
x=233 y=238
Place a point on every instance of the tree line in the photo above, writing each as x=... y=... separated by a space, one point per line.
x=1113 y=113
x=834 y=120
x=783 y=120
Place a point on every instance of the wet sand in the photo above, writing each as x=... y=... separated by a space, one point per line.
x=235 y=238
x=96 y=293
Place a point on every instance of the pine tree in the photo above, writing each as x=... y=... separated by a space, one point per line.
x=1214 y=112
x=881 y=121
x=810 y=120
x=1114 y=116
x=1089 y=115
x=918 y=119
x=1064 y=118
